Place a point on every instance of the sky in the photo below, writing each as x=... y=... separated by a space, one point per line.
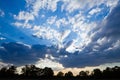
x=61 y=34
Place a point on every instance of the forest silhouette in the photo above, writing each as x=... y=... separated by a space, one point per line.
x=32 y=72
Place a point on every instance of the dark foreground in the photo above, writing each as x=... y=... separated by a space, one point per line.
x=72 y=78
x=31 y=72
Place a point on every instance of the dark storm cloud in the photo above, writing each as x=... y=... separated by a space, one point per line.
x=21 y=54
x=95 y=59
x=16 y=54
x=104 y=47
x=112 y=27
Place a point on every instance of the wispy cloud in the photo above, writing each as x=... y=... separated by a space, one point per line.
x=2 y=13
x=94 y=11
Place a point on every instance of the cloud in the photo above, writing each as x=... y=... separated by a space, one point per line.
x=23 y=25
x=51 y=20
x=43 y=4
x=91 y=42
x=15 y=53
x=46 y=33
x=114 y=46
x=2 y=14
x=98 y=51
x=55 y=26
x=24 y=16
x=21 y=54
x=49 y=63
x=4 y=64
x=71 y=5
x=2 y=38
x=94 y=11
x=64 y=35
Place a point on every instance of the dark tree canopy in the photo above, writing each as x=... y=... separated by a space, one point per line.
x=97 y=73
x=69 y=74
x=83 y=73
x=31 y=71
x=60 y=74
x=48 y=71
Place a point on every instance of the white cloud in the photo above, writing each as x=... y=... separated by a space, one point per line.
x=111 y=3
x=51 y=20
x=2 y=13
x=52 y=5
x=103 y=41
x=2 y=38
x=61 y=22
x=49 y=56
x=49 y=63
x=47 y=33
x=71 y=48
x=5 y=64
x=72 y=5
x=65 y=34
x=24 y=44
x=82 y=29
x=42 y=4
x=24 y=16
x=114 y=46
x=23 y=25
x=18 y=24
x=94 y=11
x=53 y=35
x=43 y=16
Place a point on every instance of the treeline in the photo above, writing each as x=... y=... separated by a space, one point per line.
x=31 y=71
x=26 y=71
x=110 y=73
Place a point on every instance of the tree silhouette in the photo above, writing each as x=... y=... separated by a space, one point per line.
x=26 y=70
x=83 y=73
x=8 y=71
x=11 y=71
x=116 y=70
x=107 y=72
x=69 y=74
x=48 y=72
x=3 y=72
x=97 y=73
x=31 y=71
x=60 y=74
x=111 y=72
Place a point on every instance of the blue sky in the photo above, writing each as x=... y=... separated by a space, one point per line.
x=63 y=33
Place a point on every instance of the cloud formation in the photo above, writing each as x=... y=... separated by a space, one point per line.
x=57 y=27
x=80 y=32
x=103 y=47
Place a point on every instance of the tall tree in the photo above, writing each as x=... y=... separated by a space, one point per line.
x=48 y=72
